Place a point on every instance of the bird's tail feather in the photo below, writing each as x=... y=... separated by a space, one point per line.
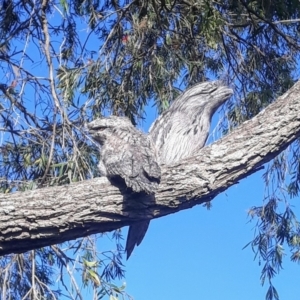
x=135 y=236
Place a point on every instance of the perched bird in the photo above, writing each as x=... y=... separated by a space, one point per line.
x=178 y=133
x=129 y=154
x=182 y=130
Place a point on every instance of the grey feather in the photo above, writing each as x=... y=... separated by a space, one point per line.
x=135 y=235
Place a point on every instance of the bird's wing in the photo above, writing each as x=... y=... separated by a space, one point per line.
x=136 y=170
x=149 y=159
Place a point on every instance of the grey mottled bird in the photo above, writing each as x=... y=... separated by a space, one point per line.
x=129 y=154
x=178 y=133
x=182 y=130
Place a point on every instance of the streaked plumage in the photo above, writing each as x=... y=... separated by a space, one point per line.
x=182 y=130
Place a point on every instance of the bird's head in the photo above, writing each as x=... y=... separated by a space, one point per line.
x=104 y=127
x=207 y=95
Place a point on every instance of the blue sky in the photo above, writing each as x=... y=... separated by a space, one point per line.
x=197 y=254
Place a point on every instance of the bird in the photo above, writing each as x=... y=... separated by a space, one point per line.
x=127 y=154
x=178 y=133
x=182 y=130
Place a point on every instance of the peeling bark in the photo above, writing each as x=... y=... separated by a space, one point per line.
x=42 y=217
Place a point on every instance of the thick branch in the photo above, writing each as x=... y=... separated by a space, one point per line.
x=52 y=215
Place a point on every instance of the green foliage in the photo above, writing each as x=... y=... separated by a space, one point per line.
x=278 y=228
x=64 y=63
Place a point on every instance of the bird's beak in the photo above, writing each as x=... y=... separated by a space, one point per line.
x=92 y=126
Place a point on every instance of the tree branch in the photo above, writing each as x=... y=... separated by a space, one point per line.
x=53 y=215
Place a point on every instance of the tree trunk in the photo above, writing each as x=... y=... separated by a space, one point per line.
x=53 y=215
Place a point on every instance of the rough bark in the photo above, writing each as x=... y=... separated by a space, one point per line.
x=53 y=215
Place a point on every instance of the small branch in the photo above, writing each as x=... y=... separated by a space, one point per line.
x=47 y=53
x=51 y=151
x=272 y=25
x=52 y=86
